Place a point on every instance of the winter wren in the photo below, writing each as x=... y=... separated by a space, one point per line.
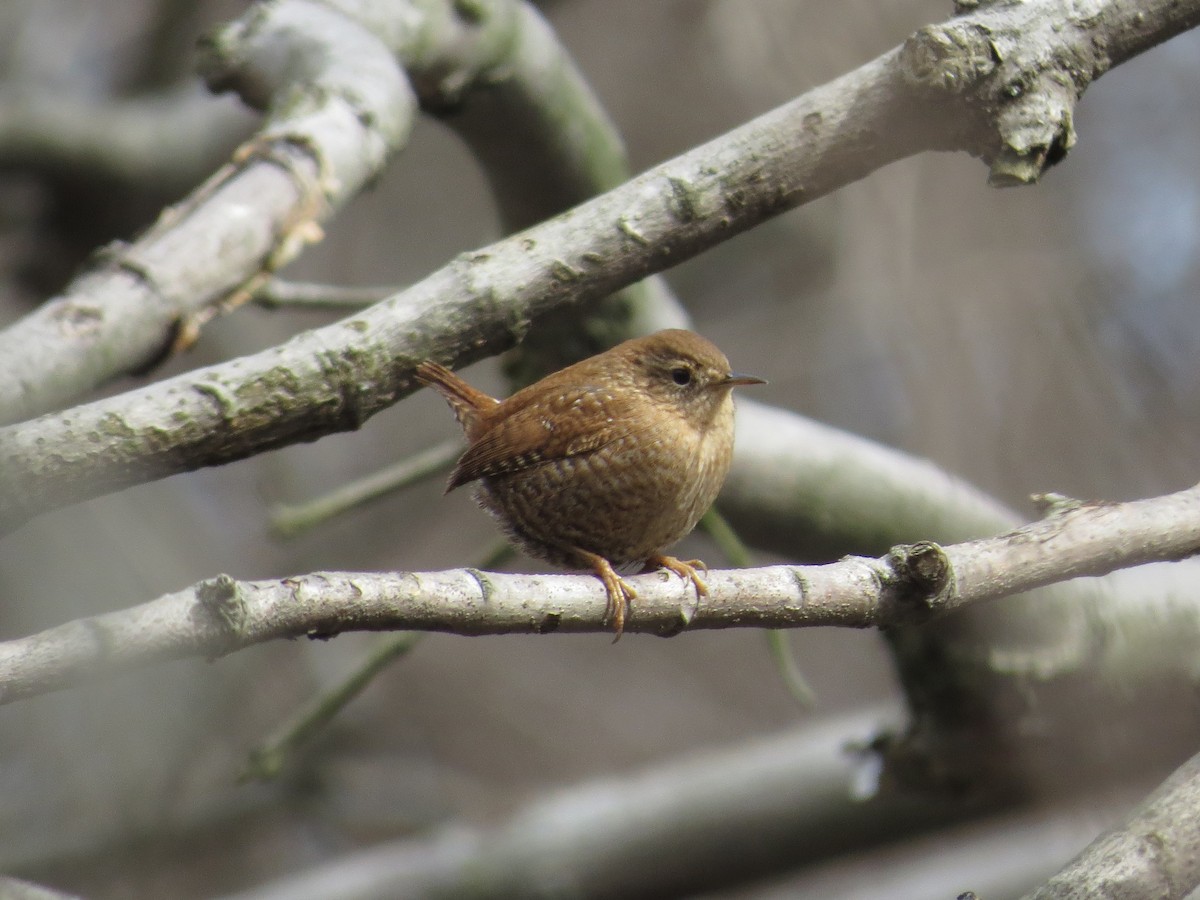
x=607 y=462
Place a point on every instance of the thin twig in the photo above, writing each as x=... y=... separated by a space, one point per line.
x=276 y=293
x=738 y=554
x=290 y=520
x=267 y=760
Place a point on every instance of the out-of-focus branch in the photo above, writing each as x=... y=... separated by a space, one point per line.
x=613 y=835
x=809 y=491
x=681 y=828
x=267 y=760
x=252 y=216
x=334 y=378
x=19 y=889
x=1154 y=853
x=912 y=584
x=289 y=520
x=165 y=139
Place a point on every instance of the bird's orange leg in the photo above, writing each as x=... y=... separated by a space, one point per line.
x=620 y=592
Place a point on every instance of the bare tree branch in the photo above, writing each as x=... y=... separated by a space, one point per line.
x=332 y=379
x=672 y=830
x=278 y=52
x=19 y=889
x=250 y=217
x=912 y=584
x=1154 y=853
x=165 y=140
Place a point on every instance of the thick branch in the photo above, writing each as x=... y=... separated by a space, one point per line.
x=251 y=217
x=541 y=136
x=1023 y=66
x=335 y=378
x=1154 y=853
x=910 y=585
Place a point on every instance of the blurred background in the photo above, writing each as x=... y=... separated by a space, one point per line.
x=1037 y=339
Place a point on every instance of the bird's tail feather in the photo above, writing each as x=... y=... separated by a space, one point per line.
x=467 y=402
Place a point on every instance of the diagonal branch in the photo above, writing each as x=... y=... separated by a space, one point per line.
x=1154 y=853
x=911 y=584
x=253 y=215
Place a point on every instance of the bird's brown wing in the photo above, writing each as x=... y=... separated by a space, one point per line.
x=555 y=425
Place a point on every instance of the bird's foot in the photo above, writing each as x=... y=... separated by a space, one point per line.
x=620 y=592
x=685 y=569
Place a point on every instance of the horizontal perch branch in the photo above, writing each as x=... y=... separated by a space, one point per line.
x=910 y=584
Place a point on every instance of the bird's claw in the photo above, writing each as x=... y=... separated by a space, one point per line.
x=685 y=569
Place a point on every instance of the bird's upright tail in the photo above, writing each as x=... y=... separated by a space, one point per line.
x=467 y=402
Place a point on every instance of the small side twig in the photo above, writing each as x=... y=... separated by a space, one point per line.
x=267 y=760
x=717 y=527
x=276 y=293
x=290 y=520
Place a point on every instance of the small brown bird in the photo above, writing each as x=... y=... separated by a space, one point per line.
x=607 y=462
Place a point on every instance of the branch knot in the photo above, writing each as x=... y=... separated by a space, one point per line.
x=922 y=577
x=948 y=57
x=221 y=598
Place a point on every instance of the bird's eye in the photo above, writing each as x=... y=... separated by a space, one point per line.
x=681 y=375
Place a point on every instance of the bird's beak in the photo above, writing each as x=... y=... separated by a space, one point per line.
x=737 y=378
